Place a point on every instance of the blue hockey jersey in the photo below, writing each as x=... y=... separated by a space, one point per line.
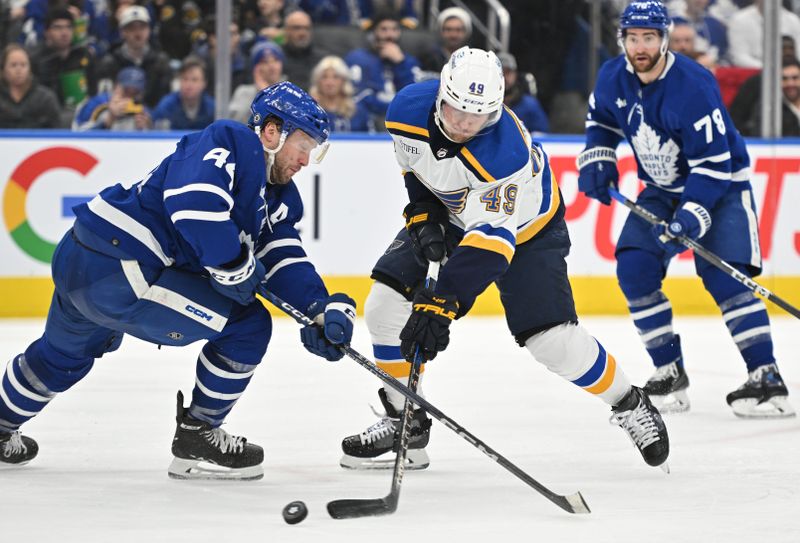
x=201 y=203
x=682 y=136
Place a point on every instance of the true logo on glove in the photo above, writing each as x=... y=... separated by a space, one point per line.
x=430 y=308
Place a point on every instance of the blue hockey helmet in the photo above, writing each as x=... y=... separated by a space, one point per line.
x=645 y=14
x=294 y=107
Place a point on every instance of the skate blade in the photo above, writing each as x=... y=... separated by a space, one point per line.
x=665 y=468
x=184 y=469
x=416 y=459
x=777 y=407
x=674 y=402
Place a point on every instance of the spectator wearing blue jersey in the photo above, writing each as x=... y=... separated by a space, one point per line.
x=712 y=34
x=178 y=258
x=407 y=13
x=332 y=88
x=190 y=107
x=329 y=12
x=382 y=67
x=696 y=171
x=119 y=110
x=518 y=97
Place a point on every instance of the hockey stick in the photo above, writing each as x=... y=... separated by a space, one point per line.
x=369 y=507
x=574 y=503
x=707 y=255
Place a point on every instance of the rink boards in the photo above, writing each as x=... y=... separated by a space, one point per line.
x=353 y=205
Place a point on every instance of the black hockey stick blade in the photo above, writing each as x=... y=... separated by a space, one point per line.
x=355 y=508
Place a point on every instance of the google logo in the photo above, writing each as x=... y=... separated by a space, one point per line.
x=16 y=194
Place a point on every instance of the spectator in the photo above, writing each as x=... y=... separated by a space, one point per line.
x=83 y=15
x=119 y=110
x=711 y=34
x=135 y=50
x=267 y=20
x=23 y=102
x=67 y=69
x=190 y=108
x=370 y=8
x=267 y=59
x=206 y=49
x=746 y=108
x=382 y=68
x=683 y=40
x=519 y=99
x=331 y=12
x=455 y=29
x=301 y=53
x=746 y=34
x=176 y=24
x=332 y=89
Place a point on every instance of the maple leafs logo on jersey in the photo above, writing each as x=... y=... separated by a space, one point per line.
x=657 y=159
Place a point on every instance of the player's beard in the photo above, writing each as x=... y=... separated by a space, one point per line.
x=281 y=172
x=652 y=61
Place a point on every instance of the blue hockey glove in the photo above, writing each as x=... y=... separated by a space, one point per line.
x=691 y=220
x=335 y=316
x=597 y=171
x=239 y=279
x=426 y=223
x=428 y=327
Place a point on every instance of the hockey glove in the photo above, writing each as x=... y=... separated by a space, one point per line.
x=239 y=279
x=426 y=223
x=335 y=316
x=428 y=327
x=691 y=220
x=597 y=170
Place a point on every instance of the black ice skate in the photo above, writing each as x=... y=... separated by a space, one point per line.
x=373 y=448
x=16 y=449
x=203 y=452
x=667 y=388
x=763 y=396
x=643 y=423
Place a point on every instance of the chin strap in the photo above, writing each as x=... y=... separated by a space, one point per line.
x=269 y=154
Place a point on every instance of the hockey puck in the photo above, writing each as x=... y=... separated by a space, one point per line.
x=295 y=512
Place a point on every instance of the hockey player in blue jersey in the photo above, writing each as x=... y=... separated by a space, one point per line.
x=482 y=197
x=695 y=168
x=177 y=258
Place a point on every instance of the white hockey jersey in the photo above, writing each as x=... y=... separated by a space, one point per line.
x=498 y=186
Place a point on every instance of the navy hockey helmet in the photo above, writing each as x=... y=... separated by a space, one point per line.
x=647 y=14
x=294 y=107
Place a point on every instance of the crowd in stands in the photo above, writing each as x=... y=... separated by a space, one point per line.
x=150 y=64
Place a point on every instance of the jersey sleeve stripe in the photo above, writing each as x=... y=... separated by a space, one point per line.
x=411 y=131
x=722 y=157
x=277 y=244
x=192 y=215
x=477 y=240
x=201 y=187
x=474 y=166
x=516 y=121
x=551 y=200
x=124 y=222
x=723 y=176
x=282 y=264
x=590 y=124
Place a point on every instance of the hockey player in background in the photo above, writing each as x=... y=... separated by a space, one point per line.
x=177 y=258
x=695 y=168
x=482 y=195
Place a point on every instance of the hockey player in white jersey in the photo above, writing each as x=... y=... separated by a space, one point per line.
x=177 y=258
x=696 y=172
x=484 y=200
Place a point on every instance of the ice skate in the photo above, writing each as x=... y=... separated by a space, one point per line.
x=16 y=449
x=763 y=396
x=641 y=420
x=374 y=448
x=203 y=452
x=667 y=389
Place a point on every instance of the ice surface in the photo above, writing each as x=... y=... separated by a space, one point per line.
x=101 y=474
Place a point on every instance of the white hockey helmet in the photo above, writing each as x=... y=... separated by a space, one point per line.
x=472 y=81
